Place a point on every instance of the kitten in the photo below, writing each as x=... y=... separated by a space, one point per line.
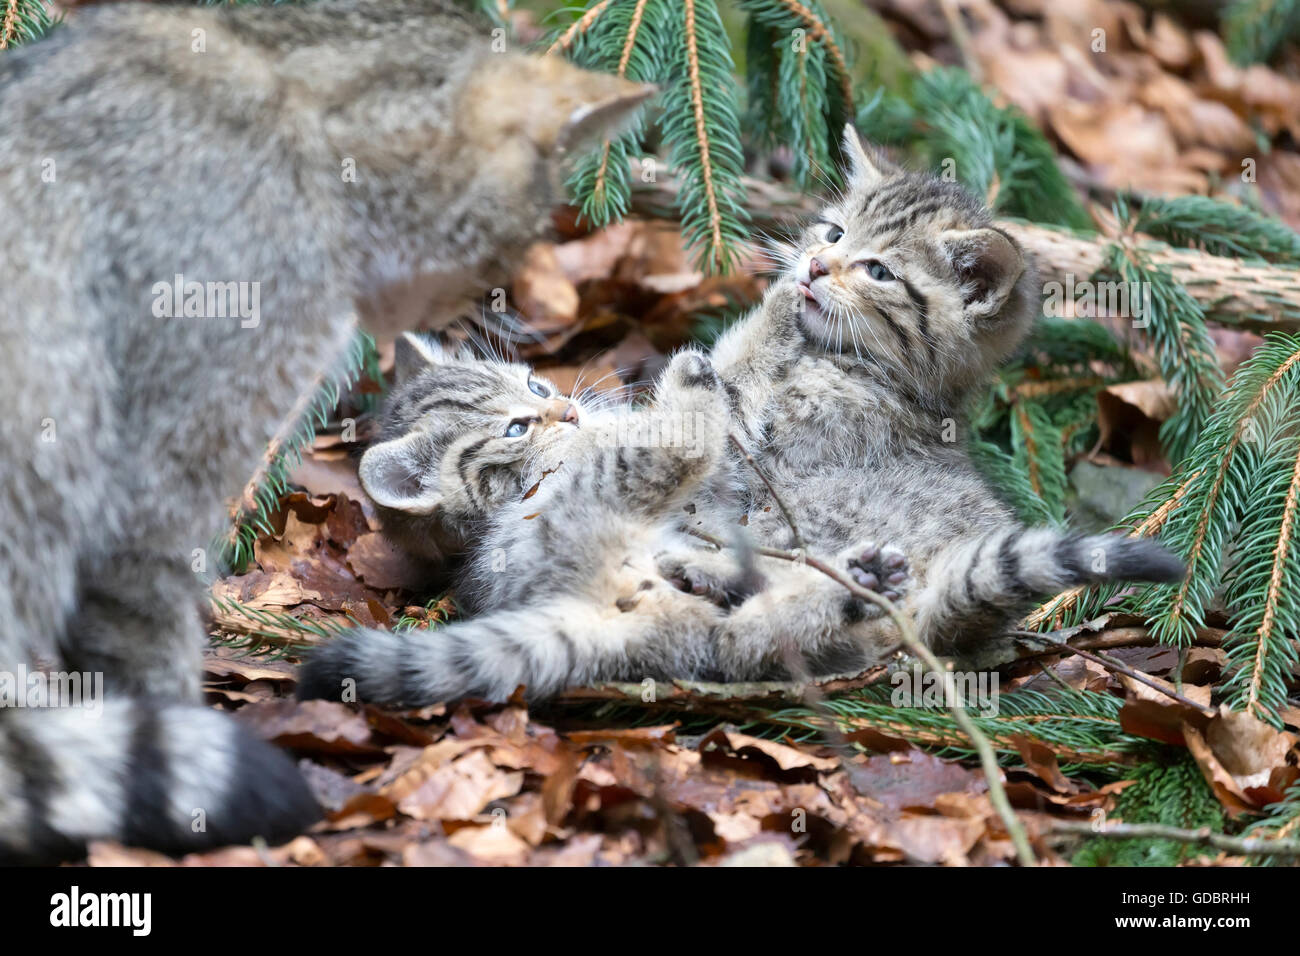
x=564 y=509
x=195 y=200
x=851 y=383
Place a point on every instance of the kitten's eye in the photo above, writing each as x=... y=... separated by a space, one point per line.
x=878 y=271
x=537 y=388
x=518 y=428
x=834 y=234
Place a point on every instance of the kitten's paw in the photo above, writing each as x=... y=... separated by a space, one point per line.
x=881 y=569
x=692 y=370
x=722 y=589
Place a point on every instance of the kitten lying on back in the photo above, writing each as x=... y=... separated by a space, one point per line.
x=851 y=383
x=285 y=162
x=568 y=515
x=563 y=517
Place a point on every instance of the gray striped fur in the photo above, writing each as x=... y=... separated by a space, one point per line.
x=327 y=154
x=856 y=407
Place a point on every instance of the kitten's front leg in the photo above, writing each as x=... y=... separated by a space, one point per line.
x=689 y=420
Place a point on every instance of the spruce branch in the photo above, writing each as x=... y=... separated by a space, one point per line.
x=1254 y=30
x=1213 y=506
x=577 y=28
x=995 y=151
x=257 y=503
x=1081 y=727
x=1175 y=324
x=800 y=87
x=1116 y=667
x=1038 y=451
x=1217 y=227
x=820 y=31
x=1282 y=821
x=25 y=21
x=622 y=37
x=701 y=128
x=1005 y=474
x=273 y=627
x=1063 y=609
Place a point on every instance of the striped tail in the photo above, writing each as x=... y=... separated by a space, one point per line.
x=175 y=778
x=545 y=648
x=980 y=586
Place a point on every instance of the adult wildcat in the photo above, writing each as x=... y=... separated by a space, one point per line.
x=265 y=168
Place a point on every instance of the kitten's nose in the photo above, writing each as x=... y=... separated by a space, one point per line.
x=558 y=410
x=817 y=268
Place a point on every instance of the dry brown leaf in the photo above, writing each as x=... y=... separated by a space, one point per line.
x=460 y=789
x=542 y=292
x=381 y=565
x=783 y=756
x=315 y=726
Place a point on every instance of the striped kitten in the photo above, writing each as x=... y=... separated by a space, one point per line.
x=851 y=383
x=563 y=512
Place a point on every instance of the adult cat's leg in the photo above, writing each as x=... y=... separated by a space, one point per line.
x=138 y=623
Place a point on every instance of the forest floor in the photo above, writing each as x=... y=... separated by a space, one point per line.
x=739 y=775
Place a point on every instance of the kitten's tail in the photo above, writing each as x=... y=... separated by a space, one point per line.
x=977 y=586
x=175 y=778
x=545 y=648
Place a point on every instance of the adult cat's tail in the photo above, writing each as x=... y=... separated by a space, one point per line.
x=546 y=648
x=978 y=585
x=174 y=778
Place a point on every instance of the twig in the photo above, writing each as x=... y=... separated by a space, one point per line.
x=785 y=512
x=1220 y=841
x=988 y=760
x=1118 y=667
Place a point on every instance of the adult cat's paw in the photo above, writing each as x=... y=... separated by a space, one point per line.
x=880 y=569
x=690 y=369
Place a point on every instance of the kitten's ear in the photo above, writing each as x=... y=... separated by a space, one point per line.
x=413 y=353
x=391 y=474
x=988 y=264
x=866 y=167
x=604 y=106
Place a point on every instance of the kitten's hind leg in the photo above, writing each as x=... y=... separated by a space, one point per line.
x=806 y=613
x=715 y=575
x=138 y=624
